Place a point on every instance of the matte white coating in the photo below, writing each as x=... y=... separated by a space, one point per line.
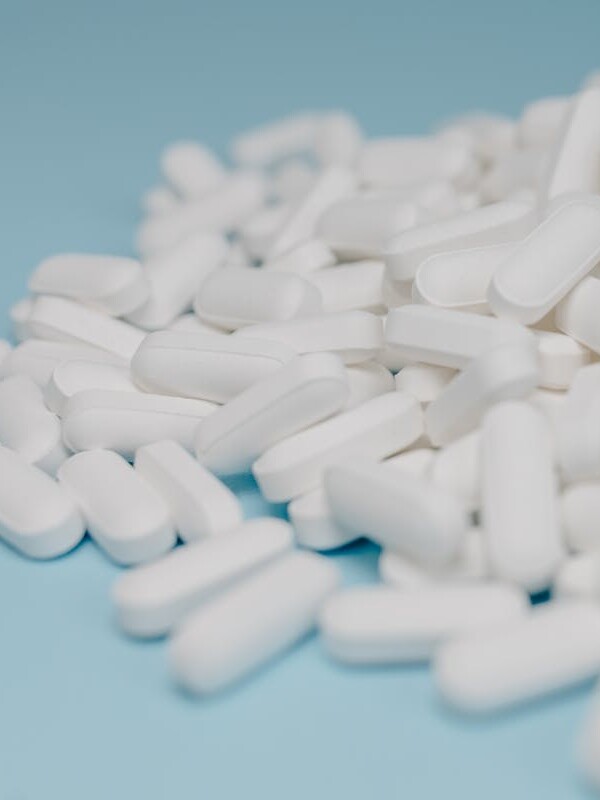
x=314 y=525
x=79 y=375
x=580 y=506
x=560 y=359
x=159 y=200
x=191 y=169
x=423 y=381
x=306 y=257
x=577 y=315
x=541 y=121
x=275 y=140
x=338 y=138
x=457 y=468
x=367 y=380
x=351 y=286
x=579 y=577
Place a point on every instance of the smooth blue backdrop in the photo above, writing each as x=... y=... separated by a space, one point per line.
x=89 y=94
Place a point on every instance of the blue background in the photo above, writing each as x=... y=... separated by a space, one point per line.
x=89 y=94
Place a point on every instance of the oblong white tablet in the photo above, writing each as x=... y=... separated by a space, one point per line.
x=233 y=297
x=72 y=377
x=201 y=505
x=280 y=138
x=338 y=138
x=353 y=335
x=561 y=358
x=125 y=515
x=191 y=169
x=578 y=428
x=303 y=258
x=251 y=623
x=541 y=121
x=112 y=284
x=423 y=381
x=578 y=577
x=367 y=380
x=457 y=468
x=383 y=625
x=314 y=525
x=37 y=517
x=577 y=314
x=307 y=389
x=379 y=428
x=124 y=421
x=555 y=647
x=159 y=200
x=153 y=598
x=520 y=514
x=351 y=286
x=580 y=506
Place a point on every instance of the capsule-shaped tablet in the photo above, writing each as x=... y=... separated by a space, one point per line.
x=233 y=297
x=208 y=367
x=516 y=175
x=37 y=517
x=397 y=510
x=578 y=429
x=153 y=598
x=314 y=525
x=292 y=179
x=351 y=286
x=367 y=380
x=554 y=648
x=577 y=314
x=201 y=505
x=353 y=335
x=251 y=623
x=383 y=625
x=520 y=513
x=338 y=139
x=580 y=505
x=541 y=121
x=72 y=377
x=578 y=578
x=551 y=404
x=275 y=140
x=27 y=426
x=125 y=421
x=307 y=389
x=377 y=429
x=423 y=381
x=191 y=169
x=124 y=514
x=189 y=323
x=496 y=223
x=113 y=285
x=560 y=358
x=306 y=257
x=457 y=468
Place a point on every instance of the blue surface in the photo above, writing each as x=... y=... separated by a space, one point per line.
x=89 y=94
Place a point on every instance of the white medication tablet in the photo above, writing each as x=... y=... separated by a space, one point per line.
x=306 y=257
x=72 y=377
x=423 y=381
x=251 y=623
x=191 y=169
x=351 y=286
x=557 y=646
x=397 y=510
x=577 y=314
x=379 y=428
x=275 y=140
x=338 y=139
x=206 y=366
x=516 y=175
x=417 y=462
x=496 y=223
x=233 y=297
x=560 y=357
x=520 y=513
x=113 y=285
x=307 y=389
x=580 y=505
x=125 y=421
x=367 y=380
x=457 y=468
x=588 y=749
x=541 y=121
x=19 y=315
x=125 y=516
x=353 y=335
x=175 y=277
x=459 y=279
x=551 y=404
x=5 y=350
x=360 y=226
x=543 y=268
x=27 y=426
x=314 y=526
x=257 y=233
x=383 y=625
x=448 y=338
x=189 y=323
x=62 y=320
x=578 y=578
x=154 y=597
x=159 y=200
x=201 y=505
x=292 y=179
x=46 y=528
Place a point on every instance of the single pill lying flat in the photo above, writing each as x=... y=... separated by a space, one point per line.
x=200 y=504
x=72 y=377
x=557 y=646
x=307 y=389
x=125 y=515
x=252 y=622
x=577 y=314
x=46 y=528
x=153 y=598
x=191 y=169
x=383 y=625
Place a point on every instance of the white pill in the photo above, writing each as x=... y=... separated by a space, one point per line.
x=314 y=525
x=417 y=462
x=125 y=421
x=338 y=139
x=159 y=200
x=251 y=623
x=382 y=625
x=457 y=468
x=360 y=227
x=189 y=323
x=496 y=223
x=367 y=380
x=5 y=350
x=191 y=169
x=516 y=173
x=276 y=140
x=397 y=510
x=423 y=381
x=233 y=297
x=379 y=428
x=541 y=121
x=560 y=359
x=459 y=279
x=38 y=358
x=449 y=338
x=577 y=314
x=206 y=366
x=551 y=404
x=291 y=179
x=62 y=320
x=19 y=315
x=27 y=426
x=306 y=257
x=507 y=372
x=201 y=505
x=307 y=389
x=557 y=646
x=113 y=285
x=520 y=513
x=580 y=506
x=588 y=749
x=175 y=277
x=153 y=598
x=125 y=516
x=257 y=233
x=578 y=430
x=353 y=335
x=543 y=268
x=72 y=377
x=579 y=577
x=490 y=134
x=46 y=528
x=351 y=286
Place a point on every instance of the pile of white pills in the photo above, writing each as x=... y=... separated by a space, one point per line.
x=399 y=338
